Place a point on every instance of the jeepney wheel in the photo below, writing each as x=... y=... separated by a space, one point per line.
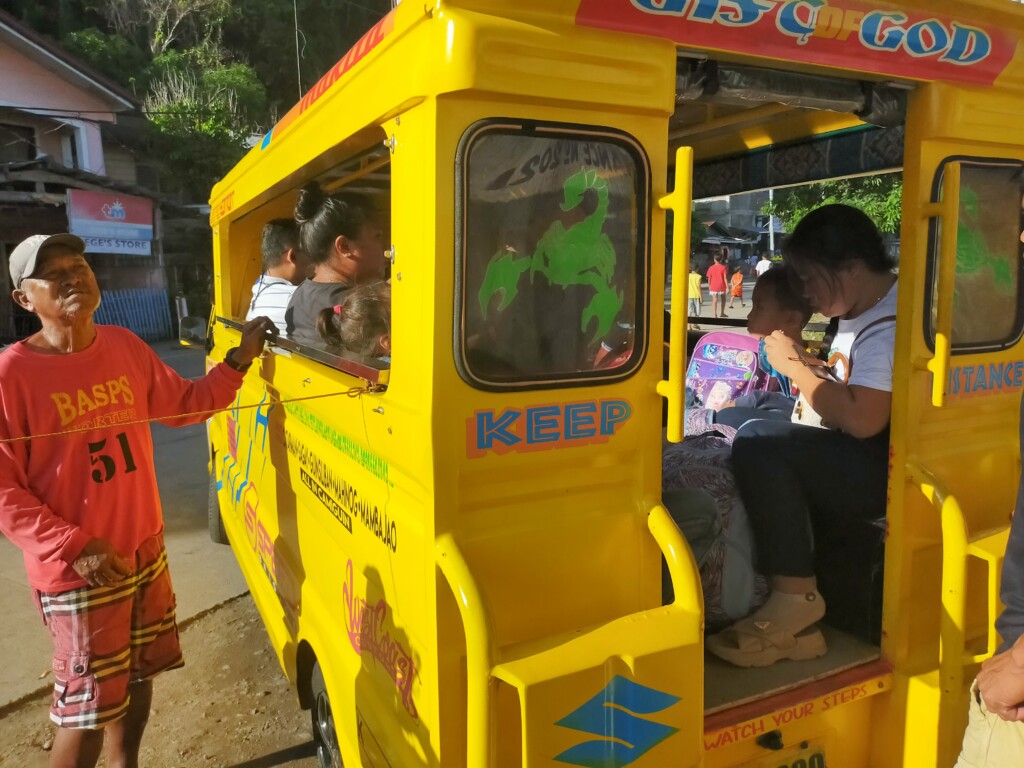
x=328 y=753
x=216 y=523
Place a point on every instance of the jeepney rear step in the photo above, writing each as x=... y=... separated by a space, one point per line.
x=728 y=686
x=570 y=684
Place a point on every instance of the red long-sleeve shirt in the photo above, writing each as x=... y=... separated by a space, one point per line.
x=57 y=493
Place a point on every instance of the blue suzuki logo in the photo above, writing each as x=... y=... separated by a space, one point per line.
x=625 y=737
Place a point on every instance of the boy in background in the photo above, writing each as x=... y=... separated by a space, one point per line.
x=717 y=280
x=736 y=285
x=693 y=293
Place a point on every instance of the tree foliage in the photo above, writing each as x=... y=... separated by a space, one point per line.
x=265 y=29
x=111 y=55
x=56 y=18
x=159 y=24
x=210 y=73
x=879 y=196
x=201 y=119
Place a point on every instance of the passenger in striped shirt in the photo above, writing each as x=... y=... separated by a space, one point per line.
x=284 y=267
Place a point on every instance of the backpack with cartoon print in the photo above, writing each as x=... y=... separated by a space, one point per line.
x=723 y=366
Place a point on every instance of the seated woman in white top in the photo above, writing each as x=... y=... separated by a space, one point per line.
x=810 y=490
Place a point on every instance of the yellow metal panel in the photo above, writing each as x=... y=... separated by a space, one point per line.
x=581 y=508
x=978 y=432
x=348 y=513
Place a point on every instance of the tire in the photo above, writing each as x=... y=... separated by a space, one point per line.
x=217 y=533
x=328 y=753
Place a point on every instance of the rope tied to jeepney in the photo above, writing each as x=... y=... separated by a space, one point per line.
x=206 y=414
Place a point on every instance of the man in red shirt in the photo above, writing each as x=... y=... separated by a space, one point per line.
x=717 y=280
x=78 y=494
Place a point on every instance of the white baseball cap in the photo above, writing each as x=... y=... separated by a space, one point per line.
x=24 y=257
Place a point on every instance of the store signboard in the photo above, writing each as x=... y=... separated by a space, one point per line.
x=110 y=222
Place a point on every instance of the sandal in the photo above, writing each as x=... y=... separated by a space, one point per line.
x=760 y=643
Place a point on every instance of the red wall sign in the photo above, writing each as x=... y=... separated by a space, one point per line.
x=838 y=33
x=110 y=222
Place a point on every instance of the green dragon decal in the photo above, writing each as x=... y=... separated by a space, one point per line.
x=972 y=252
x=579 y=255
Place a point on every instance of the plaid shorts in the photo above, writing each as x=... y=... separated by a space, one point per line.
x=106 y=637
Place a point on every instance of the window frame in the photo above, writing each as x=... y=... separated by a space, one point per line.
x=932 y=257
x=18 y=130
x=642 y=290
x=372 y=370
x=371 y=155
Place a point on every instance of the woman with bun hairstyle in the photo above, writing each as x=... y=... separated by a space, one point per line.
x=808 y=489
x=341 y=238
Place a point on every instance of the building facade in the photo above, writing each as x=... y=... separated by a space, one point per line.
x=63 y=168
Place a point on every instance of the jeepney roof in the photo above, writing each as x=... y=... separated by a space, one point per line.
x=975 y=41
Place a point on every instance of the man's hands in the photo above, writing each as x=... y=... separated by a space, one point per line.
x=254 y=334
x=101 y=565
x=1001 y=683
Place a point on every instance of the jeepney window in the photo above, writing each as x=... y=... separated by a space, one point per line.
x=552 y=255
x=987 y=312
x=361 y=164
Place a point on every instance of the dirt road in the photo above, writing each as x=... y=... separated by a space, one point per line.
x=229 y=707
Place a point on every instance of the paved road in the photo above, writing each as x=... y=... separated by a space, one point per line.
x=736 y=313
x=205 y=574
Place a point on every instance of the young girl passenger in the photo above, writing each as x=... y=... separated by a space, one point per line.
x=804 y=485
x=361 y=324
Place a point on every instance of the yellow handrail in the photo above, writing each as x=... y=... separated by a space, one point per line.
x=480 y=652
x=948 y=210
x=954 y=604
x=680 y=202
x=954 y=568
x=682 y=568
x=957 y=547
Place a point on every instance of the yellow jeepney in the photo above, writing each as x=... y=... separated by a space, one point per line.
x=457 y=553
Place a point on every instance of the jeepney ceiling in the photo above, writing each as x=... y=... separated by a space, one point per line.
x=359 y=162
x=729 y=107
x=367 y=173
